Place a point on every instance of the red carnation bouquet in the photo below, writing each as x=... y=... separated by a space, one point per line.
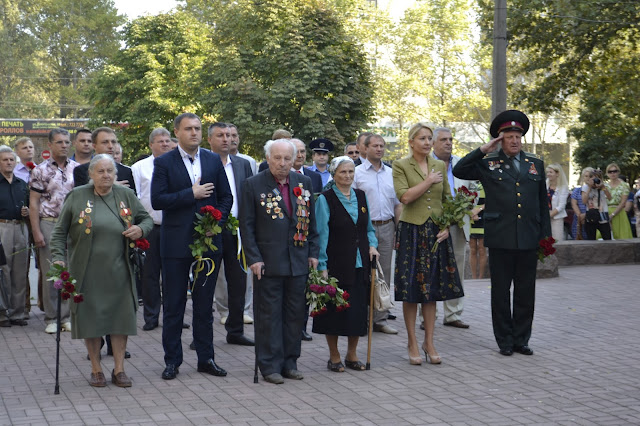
x=322 y=292
x=63 y=281
x=207 y=222
x=546 y=248
x=454 y=209
x=30 y=165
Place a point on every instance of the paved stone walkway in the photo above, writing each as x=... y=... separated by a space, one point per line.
x=586 y=371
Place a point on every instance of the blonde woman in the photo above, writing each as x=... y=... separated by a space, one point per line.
x=619 y=191
x=557 y=193
x=422 y=276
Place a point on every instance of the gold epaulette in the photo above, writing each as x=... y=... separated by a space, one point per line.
x=531 y=155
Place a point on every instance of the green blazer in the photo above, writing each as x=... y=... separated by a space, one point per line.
x=80 y=242
x=407 y=174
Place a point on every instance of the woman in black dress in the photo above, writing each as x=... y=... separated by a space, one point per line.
x=347 y=243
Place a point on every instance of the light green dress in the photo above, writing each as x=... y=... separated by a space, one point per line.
x=620 y=226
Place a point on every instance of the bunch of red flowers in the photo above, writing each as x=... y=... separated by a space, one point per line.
x=63 y=281
x=321 y=292
x=30 y=165
x=546 y=248
x=206 y=222
x=142 y=244
x=454 y=210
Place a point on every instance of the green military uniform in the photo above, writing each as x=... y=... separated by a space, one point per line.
x=516 y=218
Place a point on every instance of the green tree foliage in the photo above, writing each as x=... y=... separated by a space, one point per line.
x=152 y=79
x=286 y=64
x=50 y=49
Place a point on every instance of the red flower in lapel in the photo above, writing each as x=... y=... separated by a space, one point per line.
x=297 y=191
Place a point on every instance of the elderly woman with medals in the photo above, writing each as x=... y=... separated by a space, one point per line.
x=101 y=221
x=347 y=244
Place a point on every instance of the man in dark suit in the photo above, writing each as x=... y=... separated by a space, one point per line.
x=104 y=142
x=278 y=229
x=237 y=170
x=516 y=218
x=185 y=180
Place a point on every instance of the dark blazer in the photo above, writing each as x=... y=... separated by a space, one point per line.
x=316 y=179
x=241 y=172
x=81 y=175
x=171 y=192
x=516 y=214
x=270 y=240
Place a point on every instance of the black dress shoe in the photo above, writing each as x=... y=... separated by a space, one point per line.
x=391 y=317
x=240 y=340
x=149 y=326
x=127 y=355
x=210 y=367
x=170 y=372
x=506 y=351
x=19 y=322
x=524 y=350
x=185 y=325
x=306 y=336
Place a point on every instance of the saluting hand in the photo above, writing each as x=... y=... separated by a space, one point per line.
x=492 y=145
x=202 y=191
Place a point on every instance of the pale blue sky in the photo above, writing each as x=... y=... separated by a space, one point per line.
x=135 y=8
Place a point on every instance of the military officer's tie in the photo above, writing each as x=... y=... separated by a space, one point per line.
x=516 y=162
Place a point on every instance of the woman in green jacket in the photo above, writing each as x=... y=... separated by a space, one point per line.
x=101 y=220
x=422 y=275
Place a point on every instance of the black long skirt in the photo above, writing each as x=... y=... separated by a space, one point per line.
x=352 y=321
x=420 y=274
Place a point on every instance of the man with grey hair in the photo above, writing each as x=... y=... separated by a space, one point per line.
x=351 y=150
x=50 y=183
x=14 y=238
x=442 y=150
x=278 y=229
x=159 y=143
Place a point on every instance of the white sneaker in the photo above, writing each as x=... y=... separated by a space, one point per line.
x=51 y=328
x=247 y=319
x=66 y=326
x=223 y=320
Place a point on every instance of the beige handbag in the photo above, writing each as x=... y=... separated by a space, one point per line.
x=382 y=291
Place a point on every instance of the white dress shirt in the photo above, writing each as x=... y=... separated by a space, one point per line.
x=378 y=186
x=228 y=169
x=142 y=173
x=192 y=164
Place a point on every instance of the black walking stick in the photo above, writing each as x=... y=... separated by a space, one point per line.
x=256 y=314
x=57 y=389
x=373 y=284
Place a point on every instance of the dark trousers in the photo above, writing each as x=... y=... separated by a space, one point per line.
x=278 y=310
x=151 y=297
x=174 y=290
x=591 y=228
x=236 y=284
x=519 y=267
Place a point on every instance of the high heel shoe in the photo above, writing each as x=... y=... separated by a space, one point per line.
x=414 y=360
x=431 y=359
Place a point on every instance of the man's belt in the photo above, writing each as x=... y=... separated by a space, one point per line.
x=11 y=221
x=381 y=222
x=49 y=219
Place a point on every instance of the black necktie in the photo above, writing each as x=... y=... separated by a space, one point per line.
x=190 y=159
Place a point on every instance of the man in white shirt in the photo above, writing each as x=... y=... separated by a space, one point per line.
x=160 y=143
x=231 y=286
x=376 y=180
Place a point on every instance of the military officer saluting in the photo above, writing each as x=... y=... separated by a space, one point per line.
x=516 y=218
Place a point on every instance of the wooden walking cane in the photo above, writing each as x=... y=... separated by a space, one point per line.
x=57 y=388
x=373 y=284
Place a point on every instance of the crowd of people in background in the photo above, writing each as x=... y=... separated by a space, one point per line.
x=86 y=211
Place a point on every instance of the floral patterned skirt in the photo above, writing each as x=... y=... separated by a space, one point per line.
x=420 y=275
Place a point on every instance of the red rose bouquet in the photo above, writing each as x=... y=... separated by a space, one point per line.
x=454 y=210
x=321 y=292
x=546 y=248
x=63 y=281
x=30 y=165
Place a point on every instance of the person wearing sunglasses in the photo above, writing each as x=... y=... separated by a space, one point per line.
x=619 y=191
